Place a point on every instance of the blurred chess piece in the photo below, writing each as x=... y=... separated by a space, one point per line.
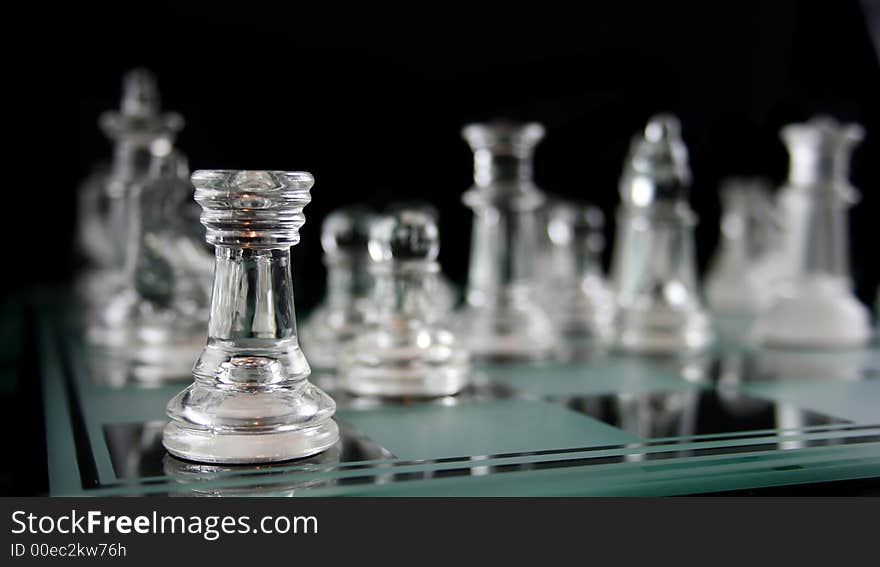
x=447 y=296
x=251 y=400
x=815 y=326
x=544 y=263
x=174 y=267
x=139 y=132
x=740 y=277
x=502 y=318
x=338 y=319
x=156 y=315
x=654 y=265
x=405 y=350
x=577 y=296
x=817 y=307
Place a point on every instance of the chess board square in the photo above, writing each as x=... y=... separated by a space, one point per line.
x=135 y=451
x=602 y=376
x=431 y=431
x=854 y=400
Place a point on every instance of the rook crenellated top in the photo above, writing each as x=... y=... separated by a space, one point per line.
x=503 y=151
x=820 y=151
x=252 y=209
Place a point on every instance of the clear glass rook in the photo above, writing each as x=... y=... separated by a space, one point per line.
x=251 y=400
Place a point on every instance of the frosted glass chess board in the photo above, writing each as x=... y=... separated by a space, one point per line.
x=616 y=426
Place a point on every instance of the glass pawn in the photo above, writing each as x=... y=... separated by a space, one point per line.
x=405 y=350
x=745 y=266
x=579 y=299
x=447 y=293
x=654 y=268
x=251 y=400
x=344 y=237
x=139 y=132
x=502 y=318
x=816 y=306
x=544 y=249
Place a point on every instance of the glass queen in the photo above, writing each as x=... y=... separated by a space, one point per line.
x=140 y=133
x=251 y=400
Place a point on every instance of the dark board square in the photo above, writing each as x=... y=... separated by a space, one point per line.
x=694 y=412
x=136 y=452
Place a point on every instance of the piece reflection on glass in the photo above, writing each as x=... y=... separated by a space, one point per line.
x=271 y=479
x=685 y=415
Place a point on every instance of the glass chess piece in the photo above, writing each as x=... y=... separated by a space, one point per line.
x=139 y=132
x=741 y=273
x=817 y=307
x=338 y=319
x=654 y=268
x=447 y=293
x=816 y=325
x=405 y=350
x=544 y=264
x=577 y=297
x=156 y=316
x=251 y=400
x=502 y=318
x=173 y=270
x=174 y=265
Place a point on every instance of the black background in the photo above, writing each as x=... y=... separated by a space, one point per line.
x=371 y=99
